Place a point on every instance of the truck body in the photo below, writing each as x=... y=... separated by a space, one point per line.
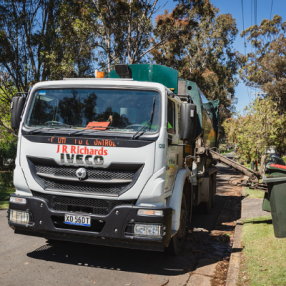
x=113 y=161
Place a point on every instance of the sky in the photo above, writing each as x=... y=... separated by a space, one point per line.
x=234 y=7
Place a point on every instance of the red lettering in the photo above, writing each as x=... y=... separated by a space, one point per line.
x=81 y=149
x=105 y=152
x=95 y=151
x=73 y=149
x=65 y=149
x=77 y=150
x=100 y=152
x=58 y=150
x=86 y=151
x=62 y=140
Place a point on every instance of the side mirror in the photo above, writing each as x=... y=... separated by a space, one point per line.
x=188 y=122
x=17 y=106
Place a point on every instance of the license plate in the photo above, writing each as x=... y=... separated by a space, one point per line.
x=77 y=220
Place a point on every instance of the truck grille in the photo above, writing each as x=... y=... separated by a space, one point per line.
x=91 y=173
x=86 y=205
x=84 y=187
x=111 y=181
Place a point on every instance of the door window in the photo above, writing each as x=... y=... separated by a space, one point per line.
x=171 y=115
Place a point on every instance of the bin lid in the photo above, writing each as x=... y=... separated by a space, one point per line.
x=277 y=174
x=277 y=167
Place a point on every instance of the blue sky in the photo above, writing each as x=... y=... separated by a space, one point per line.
x=234 y=8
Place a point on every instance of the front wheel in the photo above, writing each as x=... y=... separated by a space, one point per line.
x=178 y=240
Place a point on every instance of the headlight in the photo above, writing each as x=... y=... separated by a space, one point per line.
x=20 y=217
x=148 y=230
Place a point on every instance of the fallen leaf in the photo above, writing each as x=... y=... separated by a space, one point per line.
x=165 y=283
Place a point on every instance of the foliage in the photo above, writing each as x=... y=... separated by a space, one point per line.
x=42 y=39
x=125 y=30
x=261 y=126
x=203 y=53
x=5 y=192
x=8 y=148
x=263 y=260
x=266 y=66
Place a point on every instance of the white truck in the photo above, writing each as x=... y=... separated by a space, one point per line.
x=115 y=161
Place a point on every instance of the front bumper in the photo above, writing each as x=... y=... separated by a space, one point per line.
x=114 y=229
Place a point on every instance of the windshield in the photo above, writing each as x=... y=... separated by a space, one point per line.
x=98 y=109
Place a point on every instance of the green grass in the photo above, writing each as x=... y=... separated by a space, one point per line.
x=4 y=196
x=264 y=259
x=226 y=152
x=249 y=193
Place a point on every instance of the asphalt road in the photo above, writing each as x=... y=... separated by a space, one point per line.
x=32 y=261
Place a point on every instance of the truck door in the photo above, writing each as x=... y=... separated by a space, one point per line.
x=172 y=154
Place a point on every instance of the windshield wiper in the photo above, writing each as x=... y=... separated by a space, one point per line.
x=149 y=122
x=38 y=129
x=79 y=132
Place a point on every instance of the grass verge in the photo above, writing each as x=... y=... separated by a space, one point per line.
x=4 y=195
x=249 y=193
x=263 y=256
x=226 y=152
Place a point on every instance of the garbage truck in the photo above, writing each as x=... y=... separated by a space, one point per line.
x=117 y=160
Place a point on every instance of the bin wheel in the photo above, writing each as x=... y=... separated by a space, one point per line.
x=178 y=240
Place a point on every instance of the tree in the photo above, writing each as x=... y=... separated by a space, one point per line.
x=265 y=68
x=202 y=53
x=42 y=39
x=125 y=30
x=257 y=129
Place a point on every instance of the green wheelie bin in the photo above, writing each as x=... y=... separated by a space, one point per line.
x=276 y=185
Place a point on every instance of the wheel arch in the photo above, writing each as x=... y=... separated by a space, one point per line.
x=176 y=197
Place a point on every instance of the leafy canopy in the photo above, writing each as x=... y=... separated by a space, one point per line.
x=265 y=67
x=260 y=127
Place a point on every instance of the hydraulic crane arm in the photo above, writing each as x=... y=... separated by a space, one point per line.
x=254 y=176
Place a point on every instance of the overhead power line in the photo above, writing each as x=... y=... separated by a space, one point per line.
x=271 y=10
x=243 y=27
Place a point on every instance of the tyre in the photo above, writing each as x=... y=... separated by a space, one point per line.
x=177 y=241
x=207 y=206
x=213 y=189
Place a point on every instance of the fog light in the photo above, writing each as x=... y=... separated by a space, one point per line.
x=140 y=229
x=17 y=200
x=149 y=230
x=150 y=212
x=20 y=217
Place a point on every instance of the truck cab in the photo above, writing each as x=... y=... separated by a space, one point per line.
x=103 y=161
